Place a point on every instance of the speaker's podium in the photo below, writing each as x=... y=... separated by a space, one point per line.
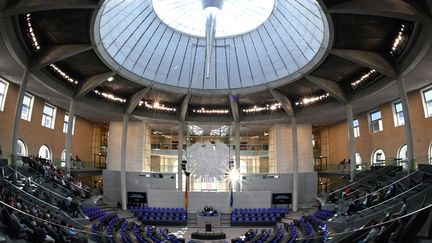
x=208 y=218
x=208 y=234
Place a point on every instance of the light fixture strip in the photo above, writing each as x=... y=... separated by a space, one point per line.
x=267 y=107
x=109 y=96
x=33 y=38
x=311 y=100
x=212 y=111
x=63 y=74
x=363 y=78
x=156 y=106
x=399 y=40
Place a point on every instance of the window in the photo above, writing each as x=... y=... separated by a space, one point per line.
x=430 y=153
x=27 y=107
x=3 y=90
x=48 y=116
x=402 y=152
x=63 y=158
x=358 y=159
x=378 y=156
x=427 y=101
x=375 y=121
x=45 y=152
x=22 y=148
x=356 y=128
x=63 y=155
x=65 y=123
x=399 y=118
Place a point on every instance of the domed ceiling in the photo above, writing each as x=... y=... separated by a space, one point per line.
x=267 y=60
x=257 y=42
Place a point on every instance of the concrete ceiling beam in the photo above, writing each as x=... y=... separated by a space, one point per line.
x=234 y=108
x=16 y=7
x=91 y=83
x=331 y=87
x=55 y=54
x=398 y=9
x=184 y=107
x=136 y=99
x=368 y=59
x=285 y=102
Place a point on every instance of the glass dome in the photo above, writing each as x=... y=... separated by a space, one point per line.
x=270 y=42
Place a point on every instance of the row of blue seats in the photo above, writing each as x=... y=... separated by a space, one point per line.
x=261 y=210
x=279 y=235
x=162 y=236
x=157 y=210
x=254 y=219
x=109 y=229
x=123 y=232
x=309 y=229
x=242 y=215
x=158 y=218
x=324 y=214
x=93 y=212
x=138 y=235
x=294 y=233
x=152 y=214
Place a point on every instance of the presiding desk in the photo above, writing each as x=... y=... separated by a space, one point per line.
x=208 y=235
x=202 y=220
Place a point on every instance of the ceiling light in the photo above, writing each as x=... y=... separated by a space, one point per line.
x=156 y=106
x=399 y=41
x=210 y=111
x=311 y=100
x=110 y=79
x=109 y=96
x=65 y=76
x=363 y=78
x=33 y=37
x=267 y=107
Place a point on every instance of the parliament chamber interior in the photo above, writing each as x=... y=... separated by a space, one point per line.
x=154 y=121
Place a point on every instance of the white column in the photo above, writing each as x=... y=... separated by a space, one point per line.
x=237 y=152
x=123 y=188
x=295 y=163
x=17 y=119
x=351 y=140
x=408 y=128
x=180 y=156
x=68 y=146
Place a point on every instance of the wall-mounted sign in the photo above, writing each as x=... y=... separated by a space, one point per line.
x=281 y=198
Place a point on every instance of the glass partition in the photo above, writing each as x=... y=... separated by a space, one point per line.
x=208 y=140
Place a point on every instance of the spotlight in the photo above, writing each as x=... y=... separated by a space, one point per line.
x=234 y=176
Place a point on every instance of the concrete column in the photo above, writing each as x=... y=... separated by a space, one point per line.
x=123 y=188
x=295 y=163
x=408 y=128
x=188 y=143
x=237 y=151
x=17 y=119
x=351 y=140
x=180 y=156
x=68 y=146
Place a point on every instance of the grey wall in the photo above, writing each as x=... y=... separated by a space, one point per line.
x=307 y=182
x=219 y=200
x=135 y=182
x=256 y=190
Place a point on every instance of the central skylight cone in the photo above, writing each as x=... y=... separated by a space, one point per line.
x=211 y=9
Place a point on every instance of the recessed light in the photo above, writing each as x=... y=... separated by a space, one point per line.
x=110 y=79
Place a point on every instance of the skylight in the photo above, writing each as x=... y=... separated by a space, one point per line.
x=236 y=16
